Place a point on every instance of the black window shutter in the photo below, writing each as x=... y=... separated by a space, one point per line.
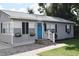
x=44 y=26
x=23 y=27
x=66 y=28
x=27 y=28
x=70 y=28
x=1 y=27
x=55 y=27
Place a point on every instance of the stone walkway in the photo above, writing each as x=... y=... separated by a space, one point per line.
x=35 y=51
x=26 y=50
x=4 y=45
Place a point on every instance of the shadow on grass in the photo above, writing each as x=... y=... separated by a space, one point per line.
x=73 y=44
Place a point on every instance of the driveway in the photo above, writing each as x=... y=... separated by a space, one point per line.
x=20 y=49
x=24 y=50
x=4 y=45
x=35 y=51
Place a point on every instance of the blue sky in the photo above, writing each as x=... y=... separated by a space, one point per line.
x=20 y=7
x=15 y=5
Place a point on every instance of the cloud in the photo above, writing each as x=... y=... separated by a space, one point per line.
x=33 y=6
x=1 y=7
x=20 y=9
x=24 y=1
x=39 y=1
x=23 y=10
x=19 y=1
x=12 y=1
x=13 y=9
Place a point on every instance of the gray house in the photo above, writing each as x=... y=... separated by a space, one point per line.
x=19 y=28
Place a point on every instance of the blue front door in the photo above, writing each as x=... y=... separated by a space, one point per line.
x=39 y=30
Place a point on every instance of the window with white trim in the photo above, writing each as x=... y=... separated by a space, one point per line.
x=48 y=26
x=52 y=27
x=68 y=28
x=5 y=27
x=25 y=27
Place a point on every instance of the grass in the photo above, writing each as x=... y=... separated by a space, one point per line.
x=72 y=49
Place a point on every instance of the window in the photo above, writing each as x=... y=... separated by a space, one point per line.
x=68 y=28
x=25 y=28
x=48 y=26
x=1 y=27
x=5 y=27
x=54 y=28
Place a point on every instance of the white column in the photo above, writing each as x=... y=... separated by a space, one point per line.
x=49 y=34
x=12 y=31
x=53 y=39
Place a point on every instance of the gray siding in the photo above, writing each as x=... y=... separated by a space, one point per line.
x=25 y=38
x=4 y=37
x=4 y=17
x=45 y=35
x=61 y=33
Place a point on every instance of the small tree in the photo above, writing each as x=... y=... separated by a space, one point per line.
x=30 y=11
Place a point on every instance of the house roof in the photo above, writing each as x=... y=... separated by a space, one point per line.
x=22 y=15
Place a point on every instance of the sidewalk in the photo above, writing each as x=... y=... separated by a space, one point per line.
x=34 y=52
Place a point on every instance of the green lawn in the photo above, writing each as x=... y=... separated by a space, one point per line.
x=72 y=49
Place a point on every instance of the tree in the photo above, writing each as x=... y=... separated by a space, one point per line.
x=30 y=11
x=75 y=9
x=62 y=10
x=43 y=9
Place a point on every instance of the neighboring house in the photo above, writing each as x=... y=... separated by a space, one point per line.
x=19 y=28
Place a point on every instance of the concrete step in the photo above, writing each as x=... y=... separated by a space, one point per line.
x=44 y=41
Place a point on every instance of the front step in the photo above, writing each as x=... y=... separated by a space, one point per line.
x=44 y=41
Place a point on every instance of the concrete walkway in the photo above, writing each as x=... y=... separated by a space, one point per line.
x=35 y=51
x=4 y=45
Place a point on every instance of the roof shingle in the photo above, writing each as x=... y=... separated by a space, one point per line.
x=22 y=15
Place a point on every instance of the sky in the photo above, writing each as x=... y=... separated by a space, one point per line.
x=22 y=7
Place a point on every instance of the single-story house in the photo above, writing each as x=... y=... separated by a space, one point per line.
x=19 y=28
